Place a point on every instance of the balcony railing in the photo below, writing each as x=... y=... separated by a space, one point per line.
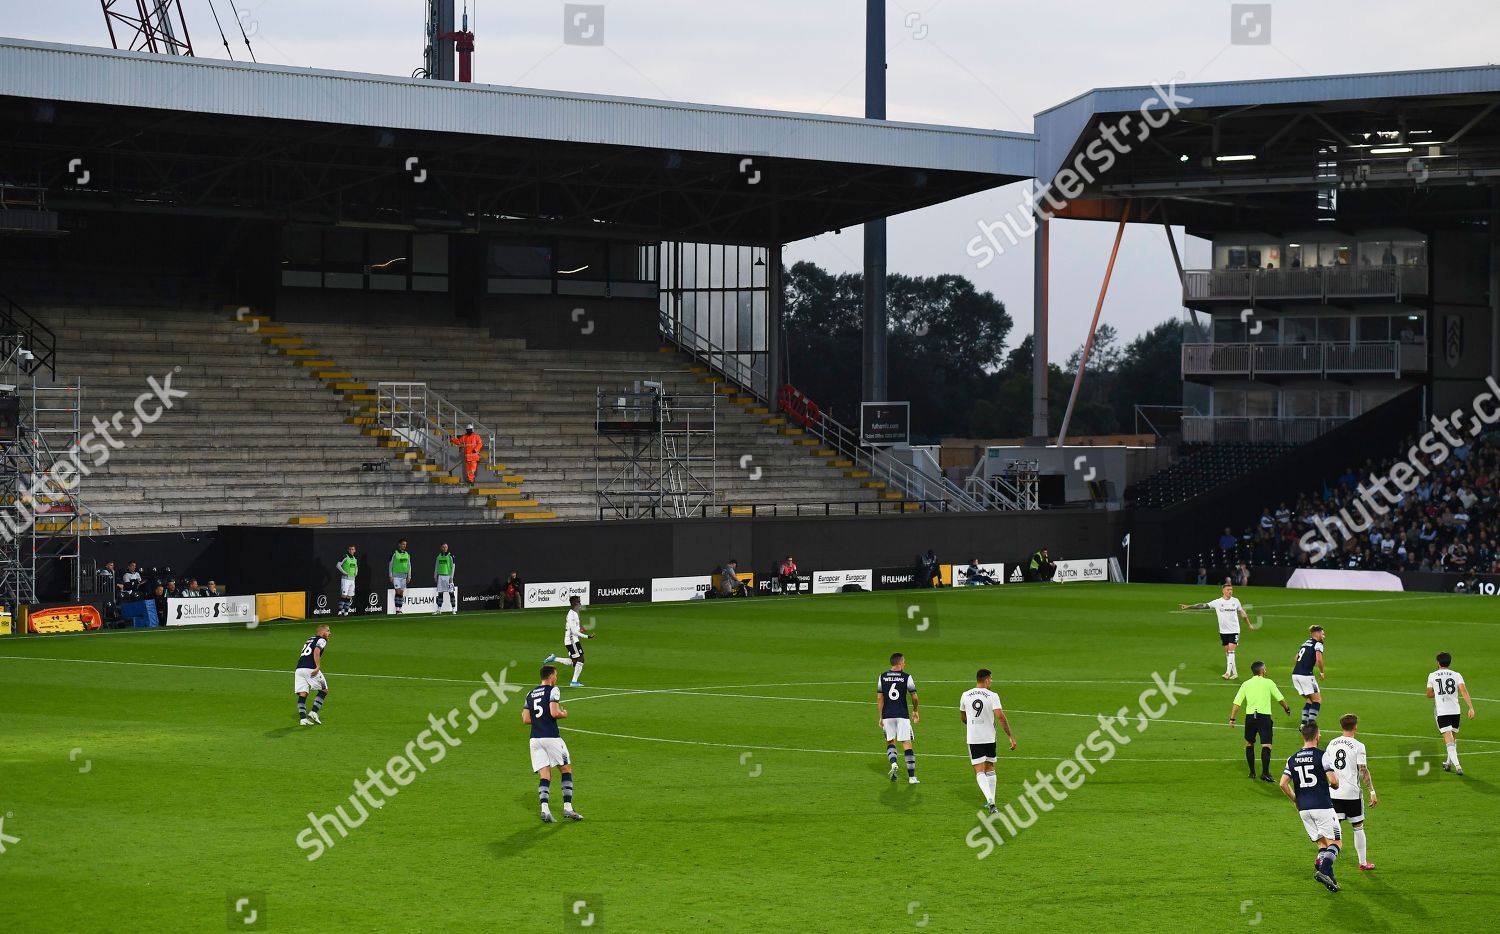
x=1312 y=284
x=1209 y=428
x=1252 y=360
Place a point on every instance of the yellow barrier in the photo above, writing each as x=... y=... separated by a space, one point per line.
x=288 y=605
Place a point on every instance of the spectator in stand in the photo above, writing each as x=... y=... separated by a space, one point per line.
x=1202 y=579
x=513 y=593
x=211 y=589
x=1242 y=575
x=159 y=597
x=1457 y=558
x=191 y=589
x=786 y=576
x=1283 y=514
x=131 y=582
x=104 y=580
x=1227 y=541
x=1267 y=523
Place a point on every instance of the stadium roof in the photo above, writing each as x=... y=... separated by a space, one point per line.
x=205 y=135
x=1437 y=134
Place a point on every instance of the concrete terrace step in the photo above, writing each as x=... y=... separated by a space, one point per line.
x=272 y=426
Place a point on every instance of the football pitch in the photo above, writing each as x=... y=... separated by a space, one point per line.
x=732 y=775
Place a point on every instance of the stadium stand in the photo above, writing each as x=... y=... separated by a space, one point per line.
x=1447 y=523
x=1200 y=468
x=254 y=441
x=543 y=404
x=262 y=440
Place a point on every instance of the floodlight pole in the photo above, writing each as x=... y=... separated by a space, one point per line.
x=873 y=357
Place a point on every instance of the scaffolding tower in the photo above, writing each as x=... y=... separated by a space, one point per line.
x=42 y=518
x=655 y=453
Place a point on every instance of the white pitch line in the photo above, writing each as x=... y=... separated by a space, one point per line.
x=700 y=692
x=925 y=755
x=1043 y=713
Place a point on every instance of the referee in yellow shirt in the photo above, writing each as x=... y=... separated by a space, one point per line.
x=1256 y=695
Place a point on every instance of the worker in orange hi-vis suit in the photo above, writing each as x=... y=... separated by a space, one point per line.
x=472 y=444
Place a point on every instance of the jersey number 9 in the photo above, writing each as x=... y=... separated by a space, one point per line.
x=978 y=706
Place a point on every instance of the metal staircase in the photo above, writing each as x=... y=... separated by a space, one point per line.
x=919 y=491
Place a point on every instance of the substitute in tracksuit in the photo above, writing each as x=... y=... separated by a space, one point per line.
x=444 y=569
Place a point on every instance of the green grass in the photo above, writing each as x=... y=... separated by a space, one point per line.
x=770 y=808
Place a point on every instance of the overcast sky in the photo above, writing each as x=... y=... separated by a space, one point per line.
x=980 y=63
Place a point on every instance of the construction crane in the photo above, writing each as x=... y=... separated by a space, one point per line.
x=159 y=26
x=443 y=41
x=148 y=26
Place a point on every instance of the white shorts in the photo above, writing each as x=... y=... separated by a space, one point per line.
x=547 y=753
x=307 y=683
x=445 y=584
x=897 y=728
x=346 y=587
x=1304 y=684
x=398 y=583
x=1322 y=824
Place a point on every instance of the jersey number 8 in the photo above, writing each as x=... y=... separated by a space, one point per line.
x=1339 y=758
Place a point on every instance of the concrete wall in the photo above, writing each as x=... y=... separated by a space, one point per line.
x=297 y=559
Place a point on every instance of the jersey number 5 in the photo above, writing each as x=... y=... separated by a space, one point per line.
x=536 y=708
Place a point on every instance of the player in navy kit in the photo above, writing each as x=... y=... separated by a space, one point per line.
x=542 y=711
x=308 y=676
x=1309 y=655
x=892 y=690
x=1306 y=781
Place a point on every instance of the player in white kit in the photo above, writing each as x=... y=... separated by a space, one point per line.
x=1230 y=612
x=980 y=709
x=573 y=636
x=1444 y=686
x=1350 y=763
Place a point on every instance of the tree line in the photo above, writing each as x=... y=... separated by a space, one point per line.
x=947 y=356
